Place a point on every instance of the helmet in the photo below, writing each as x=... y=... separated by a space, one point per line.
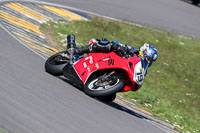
x=149 y=53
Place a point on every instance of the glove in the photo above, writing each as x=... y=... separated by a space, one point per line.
x=135 y=51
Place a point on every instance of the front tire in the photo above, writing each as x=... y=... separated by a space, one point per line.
x=53 y=67
x=92 y=89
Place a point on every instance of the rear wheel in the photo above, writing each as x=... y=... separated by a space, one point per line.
x=195 y=2
x=108 y=99
x=104 y=86
x=55 y=63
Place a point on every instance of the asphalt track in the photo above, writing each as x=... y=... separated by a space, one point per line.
x=178 y=16
x=33 y=101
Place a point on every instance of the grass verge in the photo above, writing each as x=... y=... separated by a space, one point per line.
x=171 y=88
x=3 y=131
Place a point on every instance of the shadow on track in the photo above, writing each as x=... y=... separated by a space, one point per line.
x=115 y=105
x=111 y=104
x=193 y=2
x=120 y=107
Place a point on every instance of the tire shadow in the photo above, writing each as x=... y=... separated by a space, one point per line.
x=111 y=104
x=156 y=121
x=121 y=107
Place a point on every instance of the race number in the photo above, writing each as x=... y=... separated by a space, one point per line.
x=138 y=74
x=140 y=77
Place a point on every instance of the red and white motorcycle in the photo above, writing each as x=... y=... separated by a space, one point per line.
x=101 y=75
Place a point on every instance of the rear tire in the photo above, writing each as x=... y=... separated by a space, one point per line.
x=108 y=99
x=54 y=68
x=195 y=2
x=101 y=91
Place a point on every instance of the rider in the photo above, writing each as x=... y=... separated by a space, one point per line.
x=147 y=53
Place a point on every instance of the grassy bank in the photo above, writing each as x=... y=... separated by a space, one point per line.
x=171 y=88
x=3 y=131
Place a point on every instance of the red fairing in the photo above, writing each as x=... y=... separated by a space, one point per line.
x=97 y=61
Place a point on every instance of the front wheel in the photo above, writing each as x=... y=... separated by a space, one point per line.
x=103 y=86
x=55 y=64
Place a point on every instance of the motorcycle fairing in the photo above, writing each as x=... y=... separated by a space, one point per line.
x=70 y=73
x=97 y=61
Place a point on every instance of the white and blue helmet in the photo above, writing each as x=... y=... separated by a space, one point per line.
x=149 y=53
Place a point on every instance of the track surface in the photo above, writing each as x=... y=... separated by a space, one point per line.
x=170 y=15
x=32 y=101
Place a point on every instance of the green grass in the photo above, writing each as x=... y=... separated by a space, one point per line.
x=3 y=131
x=171 y=90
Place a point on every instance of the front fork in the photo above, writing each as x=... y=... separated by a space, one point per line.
x=71 y=45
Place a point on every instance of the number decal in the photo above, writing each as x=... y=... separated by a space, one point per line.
x=138 y=74
x=110 y=62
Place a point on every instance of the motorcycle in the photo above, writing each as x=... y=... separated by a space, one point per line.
x=101 y=75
